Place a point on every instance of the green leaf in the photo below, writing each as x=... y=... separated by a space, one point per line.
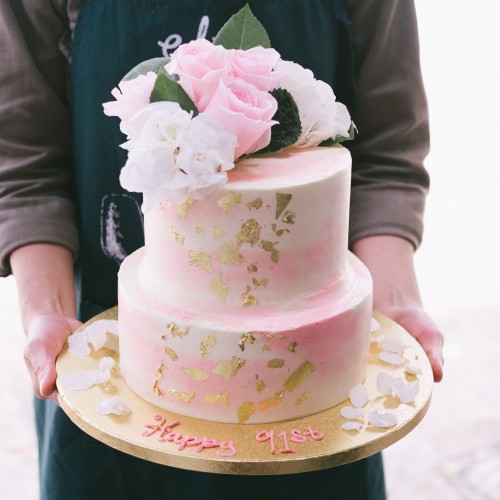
x=288 y=130
x=166 y=89
x=242 y=31
x=156 y=65
x=353 y=132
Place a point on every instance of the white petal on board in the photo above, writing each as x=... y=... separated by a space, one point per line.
x=78 y=345
x=359 y=396
x=384 y=383
x=377 y=338
x=393 y=358
x=81 y=381
x=352 y=426
x=378 y=419
x=406 y=391
x=112 y=406
x=413 y=369
x=394 y=345
x=350 y=412
x=96 y=335
x=106 y=363
x=375 y=325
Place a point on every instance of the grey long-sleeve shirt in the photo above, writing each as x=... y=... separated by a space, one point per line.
x=389 y=181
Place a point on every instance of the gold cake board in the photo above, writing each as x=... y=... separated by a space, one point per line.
x=338 y=447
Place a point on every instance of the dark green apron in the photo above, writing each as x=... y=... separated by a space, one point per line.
x=111 y=37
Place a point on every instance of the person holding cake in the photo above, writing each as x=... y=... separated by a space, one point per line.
x=62 y=200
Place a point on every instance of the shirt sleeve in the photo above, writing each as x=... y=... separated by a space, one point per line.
x=389 y=182
x=36 y=194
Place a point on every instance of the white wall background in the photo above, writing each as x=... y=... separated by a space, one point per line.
x=455 y=452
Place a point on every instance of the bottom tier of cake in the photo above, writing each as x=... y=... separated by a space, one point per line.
x=261 y=367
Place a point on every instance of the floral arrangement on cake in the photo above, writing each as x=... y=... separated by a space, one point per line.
x=189 y=119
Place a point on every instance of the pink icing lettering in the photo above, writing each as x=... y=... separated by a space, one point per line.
x=207 y=443
x=286 y=449
x=264 y=436
x=162 y=428
x=228 y=446
x=316 y=435
x=189 y=441
x=298 y=436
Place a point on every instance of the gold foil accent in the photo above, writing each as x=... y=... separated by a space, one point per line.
x=299 y=375
x=158 y=375
x=257 y=203
x=247 y=299
x=196 y=373
x=260 y=385
x=200 y=230
x=183 y=396
x=219 y=288
x=218 y=232
x=246 y=337
x=292 y=346
x=268 y=246
x=278 y=232
x=228 y=369
x=183 y=210
x=263 y=282
x=249 y=232
x=228 y=201
x=283 y=337
x=301 y=399
x=171 y=353
x=177 y=331
x=178 y=237
x=252 y=268
x=268 y=336
x=206 y=344
x=270 y=402
x=289 y=217
x=228 y=254
x=265 y=348
x=282 y=201
x=223 y=399
x=201 y=259
x=276 y=363
x=245 y=411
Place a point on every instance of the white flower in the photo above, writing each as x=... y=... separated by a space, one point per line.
x=320 y=115
x=359 y=396
x=173 y=156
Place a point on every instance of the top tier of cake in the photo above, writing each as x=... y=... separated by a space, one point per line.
x=275 y=234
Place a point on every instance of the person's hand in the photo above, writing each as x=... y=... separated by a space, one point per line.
x=46 y=336
x=421 y=326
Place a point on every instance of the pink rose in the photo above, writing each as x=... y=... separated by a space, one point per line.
x=245 y=111
x=256 y=67
x=200 y=65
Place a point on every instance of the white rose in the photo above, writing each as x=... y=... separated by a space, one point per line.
x=320 y=115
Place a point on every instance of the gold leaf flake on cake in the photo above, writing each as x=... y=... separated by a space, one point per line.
x=200 y=230
x=247 y=299
x=219 y=288
x=283 y=338
x=276 y=363
x=301 y=398
x=183 y=210
x=268 y=335
x=245 y=411
x=271 y=402
x=268 y=246
x=289 y=217
x=206 y=344
x=196 y=373
x=158 y=376
x=257 y=203
x=201 y=259
x=277 y=232
x=178 y=237
x=228 y=201
x=252 y=268
x=299 y=375
x=171 y=353
x=183 y=396
x=218 y=232
x=229 y=368
x=282 y=201
x=246 y=338
x=228 y=254
x=263 y=282
x=161 y=208
x=249 y=232
x=292 y=346
x=265 y=348
x=212 y=399
x=260 y=385
x=176 y=331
